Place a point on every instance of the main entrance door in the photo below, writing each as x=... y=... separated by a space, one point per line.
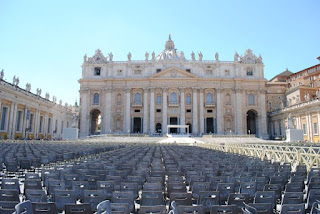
x=173 y=121
x=251 y=122
x=95 y=127
x=209 y=125
x=136 y=125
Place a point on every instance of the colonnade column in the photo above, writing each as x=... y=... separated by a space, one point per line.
x=194 y=110
x=263 y=128
x=107 y=113
x=13 y=115
x=182 y=108
x=152 y=110
x=84 y=131
x=127 y=112
x=310 y=128
x=201 y=112
x=145 y=111
x=164 y=111
x=219 y=112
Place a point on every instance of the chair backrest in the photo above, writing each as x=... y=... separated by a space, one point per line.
x=44 y=208
x=32 y=184
x=8 y=207
x=181 y=198
x=223 y=209
x=10 y=183
x=93 y=197
x=152 y=198
x=154 y=186
x=123 y=197
x=294 y=187
x=259 y=208
x=9 y=195
x=293 y=209
x=117 y=208
x=265 y=197
x=250 y=188
x=190 y=209
x=292 y=198
x=208 y=198
x=24 y=208
x=36 y=195
x=274 y=187
x=159 y=209
x=238 y=199
x=63 y=197
x=78 y=209
x=313 y=196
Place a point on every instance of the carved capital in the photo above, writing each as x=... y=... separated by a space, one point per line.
x=128 y=90
x=182 y=89
x=107 y=89
x=152 y=89
x=219 y=90
x=165 y=90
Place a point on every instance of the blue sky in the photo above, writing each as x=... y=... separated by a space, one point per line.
x=43 y=42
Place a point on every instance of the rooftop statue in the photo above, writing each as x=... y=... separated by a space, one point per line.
x=147 y=56
x=129 y=56
x=200 y=56
x=110 y=56
x=2 y=74
x=193 y=56
x=217 y=56
x=153 y=56
x=85 y=58
x=236 y=56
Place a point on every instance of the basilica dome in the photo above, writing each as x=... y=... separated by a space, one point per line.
x=169 y=52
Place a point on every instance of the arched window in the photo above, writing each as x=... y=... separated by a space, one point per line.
x=158 y=99
x=119 y=98
x=96 y=98
x=251 y=99
x=228 y=98
x=188 y=99
x=173 y=97
x=137 y=98
x=209 y=98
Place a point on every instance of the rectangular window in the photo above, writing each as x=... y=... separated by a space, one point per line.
x=208 y=72
x=188 y=110
x=249 y=72
x=40 y=124
x=304 y=128
x=97 y=71
x=227 y=72
x=188 y=70
x=209 y=111
x=158 y=100
x=158 y=70
x=158 y=110
x=119 y=72
x=31 y=122
x=61 y=127
x=19 y=121
x=315 y=128
x=137 y=110
x=49 y=125
x=137 y=72
x=4 y=118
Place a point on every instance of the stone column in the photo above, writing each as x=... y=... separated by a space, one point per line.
x=145 y=111
x=201 y=111
x=194 y=110
x=107 y=111
x=127 y=112
x=84 y=120
x=318 y=123
x=13 y=120
x=182 y=108
x=310 y=128
x=164 y=111
x=24 y=122
x=263 y=113
x=36 y=128
x=219 y=112
x=152 y=125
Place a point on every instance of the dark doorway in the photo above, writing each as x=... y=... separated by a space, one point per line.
x=173 y=121
x=136 y=125
x=190 y=127
x=158 y=128
x=251 y=122
x=209 y=124
x=95 y=128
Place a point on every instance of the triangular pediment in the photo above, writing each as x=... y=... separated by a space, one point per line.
x=173 y=73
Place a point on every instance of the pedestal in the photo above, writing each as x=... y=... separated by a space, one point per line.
x=70 y=133
x=294 y=135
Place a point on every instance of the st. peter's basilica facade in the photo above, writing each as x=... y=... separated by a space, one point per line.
x=144 y=96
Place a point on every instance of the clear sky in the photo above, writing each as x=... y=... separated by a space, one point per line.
x=43 y=41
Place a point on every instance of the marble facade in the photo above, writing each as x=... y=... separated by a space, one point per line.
x=144 y=96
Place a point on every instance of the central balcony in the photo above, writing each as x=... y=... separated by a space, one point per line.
x=209 y=105
x=176 y=104
x=136 y=104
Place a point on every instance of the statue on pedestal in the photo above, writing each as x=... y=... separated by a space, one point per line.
x=85 y=58
x=47 y=96
x=153 y=56
x=236 y=56
x=200 y=56
x=14 y=80
x=28 y=87
x=2 y=75
x=147 y=56
x=290 y=122
x=110 y=56
x=129 y=56
x=193 y=56
x=182 y=55
x=217 y=56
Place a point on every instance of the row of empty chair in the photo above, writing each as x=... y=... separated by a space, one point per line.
x=158 y=178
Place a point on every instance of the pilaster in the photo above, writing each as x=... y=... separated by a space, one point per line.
x=107 y=117
x=127 y=112
x=201 y=111
x=145 y=110
x=182 y=107
x=219 y=112
x=164 y=110
x=152 y=125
